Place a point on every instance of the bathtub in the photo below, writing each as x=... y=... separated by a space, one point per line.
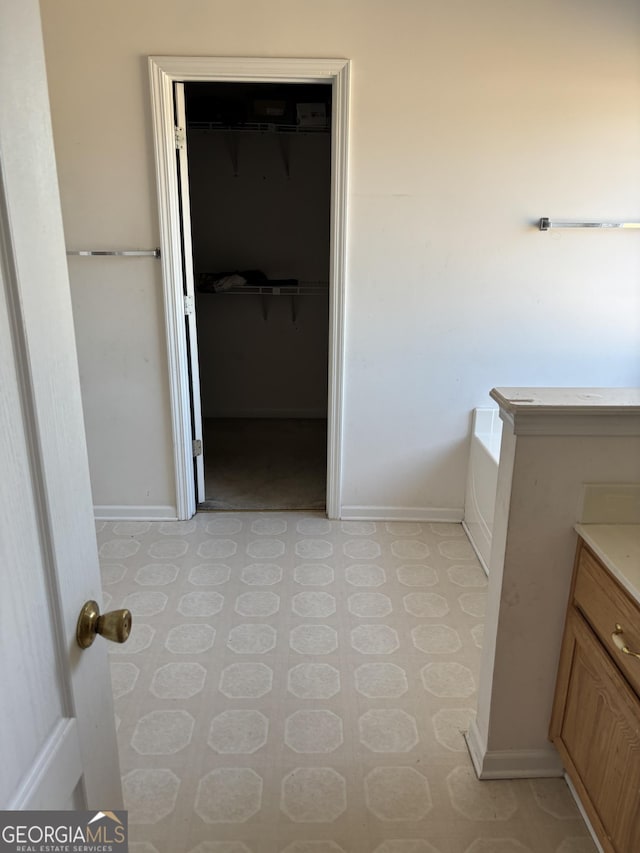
x=482 y=480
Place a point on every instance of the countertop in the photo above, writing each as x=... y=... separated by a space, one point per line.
x=618 y=546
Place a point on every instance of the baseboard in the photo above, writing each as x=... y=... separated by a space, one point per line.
x=312 y=414
x=401 y=513
x=511 y=763
x=481 y=559
x=135 y=513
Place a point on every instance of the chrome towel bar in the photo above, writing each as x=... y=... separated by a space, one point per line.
x=545 y=224
x=124 y=253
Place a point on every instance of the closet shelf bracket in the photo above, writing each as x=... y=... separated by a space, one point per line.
x=232 y=142
x=285 y=151
x=264 y=307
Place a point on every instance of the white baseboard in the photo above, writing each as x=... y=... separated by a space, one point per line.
x=135 y=513
x=511 y=763
x=401 y=513
x=473 y=545
x=269 y=413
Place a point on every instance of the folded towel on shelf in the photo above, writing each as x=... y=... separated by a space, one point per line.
x=228 y=281
x=217 y=282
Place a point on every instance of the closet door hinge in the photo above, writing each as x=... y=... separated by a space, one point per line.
x=188 y=305
x=197 y=447
x=180 y=138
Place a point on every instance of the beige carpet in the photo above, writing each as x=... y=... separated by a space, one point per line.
x=265 y=463
x=294 y=685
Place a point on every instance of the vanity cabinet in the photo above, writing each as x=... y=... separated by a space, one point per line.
x=595 y=723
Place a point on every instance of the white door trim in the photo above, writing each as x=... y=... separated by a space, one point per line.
x=163 y=72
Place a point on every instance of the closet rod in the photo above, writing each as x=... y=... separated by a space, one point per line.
x=545 y=224
x=124 y=253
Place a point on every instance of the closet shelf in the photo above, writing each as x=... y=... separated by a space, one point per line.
x=258 y=127
x=304 y=288
x=264 y=291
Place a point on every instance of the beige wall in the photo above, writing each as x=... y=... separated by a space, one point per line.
x=469 y=121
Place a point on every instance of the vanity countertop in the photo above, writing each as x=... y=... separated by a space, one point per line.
x=618 y=546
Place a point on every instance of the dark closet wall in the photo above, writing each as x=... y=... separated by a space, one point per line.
x=262 y=205
x=261 y=218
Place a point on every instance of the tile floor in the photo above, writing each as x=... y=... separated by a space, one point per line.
x=295 y=685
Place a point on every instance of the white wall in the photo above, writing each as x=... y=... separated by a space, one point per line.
x=469 y=121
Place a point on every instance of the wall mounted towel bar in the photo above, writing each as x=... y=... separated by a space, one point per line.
x=545 y=224
x=125 y=253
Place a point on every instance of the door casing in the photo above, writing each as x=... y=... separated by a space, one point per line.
x=164 y=71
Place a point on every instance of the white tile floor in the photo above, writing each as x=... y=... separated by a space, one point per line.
x=294 y=685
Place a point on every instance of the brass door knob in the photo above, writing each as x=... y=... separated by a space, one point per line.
x=114 y=625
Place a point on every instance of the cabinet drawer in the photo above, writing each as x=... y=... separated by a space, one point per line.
x=605 y=604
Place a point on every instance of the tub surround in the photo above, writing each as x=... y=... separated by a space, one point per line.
x=482 y=480
x=554 y=441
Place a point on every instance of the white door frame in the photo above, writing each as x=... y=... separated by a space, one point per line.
x=164 y=71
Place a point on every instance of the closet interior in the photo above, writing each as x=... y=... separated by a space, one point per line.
x=259 y=160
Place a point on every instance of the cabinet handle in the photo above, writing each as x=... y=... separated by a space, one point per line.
x=618 y=639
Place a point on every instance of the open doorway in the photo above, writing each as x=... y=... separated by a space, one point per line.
x=168 y=76
x=259 y=175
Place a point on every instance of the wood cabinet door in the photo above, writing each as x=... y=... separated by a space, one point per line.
x=598 y=736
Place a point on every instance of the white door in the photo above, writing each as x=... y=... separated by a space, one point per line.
x=188 y=286
x=57 y=737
